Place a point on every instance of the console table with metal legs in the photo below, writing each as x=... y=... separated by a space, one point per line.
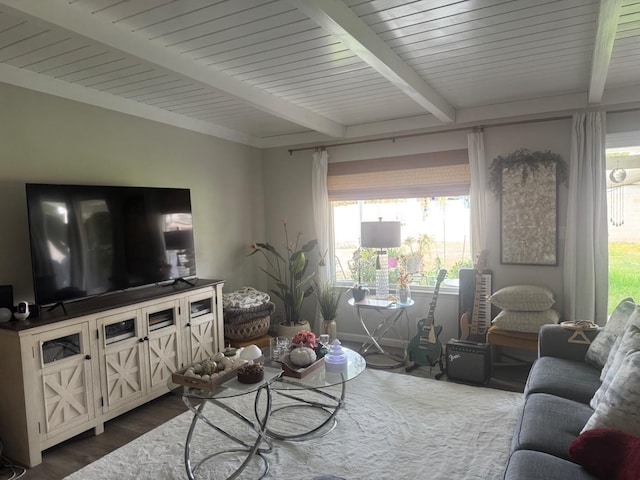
x=391 y=314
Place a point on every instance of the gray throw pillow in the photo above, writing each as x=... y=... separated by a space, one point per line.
x=618 y=408
x=612 y=357
x=627 y=342
x=600 y=347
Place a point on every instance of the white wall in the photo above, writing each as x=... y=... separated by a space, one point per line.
x=288 y=193
x=53 y=140
x=239 y=193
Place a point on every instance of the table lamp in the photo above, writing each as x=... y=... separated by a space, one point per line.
x=381 y=235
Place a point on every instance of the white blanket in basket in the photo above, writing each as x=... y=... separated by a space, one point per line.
x=245 y=297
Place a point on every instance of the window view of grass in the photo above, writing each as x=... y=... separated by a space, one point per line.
x=624 y=272
x=623 y=202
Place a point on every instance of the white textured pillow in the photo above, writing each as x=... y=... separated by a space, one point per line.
x=526 y=322
x=523 y=298
x=599 y=349
x=619 y=406
x=628 y=342
x=611 y=358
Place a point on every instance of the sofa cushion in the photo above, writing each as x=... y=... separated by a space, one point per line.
x=598 y=351
x=526 y=322
x=618 y=406
x=571 y=379
x=532 y=465
x=530 y=298
x=549 y=424
x=608 y=453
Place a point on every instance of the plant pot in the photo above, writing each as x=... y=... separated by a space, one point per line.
x=359 y=293
x=330 y=327
x=289 y=331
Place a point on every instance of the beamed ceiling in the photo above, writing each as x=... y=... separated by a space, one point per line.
x=288 y=72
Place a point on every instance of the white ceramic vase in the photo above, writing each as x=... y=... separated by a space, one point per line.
x=330 y=327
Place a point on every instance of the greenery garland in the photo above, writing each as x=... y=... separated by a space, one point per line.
x=528 y=163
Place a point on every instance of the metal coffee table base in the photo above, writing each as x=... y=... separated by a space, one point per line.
x=330 y=408
x=250 y=450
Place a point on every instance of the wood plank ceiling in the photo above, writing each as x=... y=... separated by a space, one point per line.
x=285 y=72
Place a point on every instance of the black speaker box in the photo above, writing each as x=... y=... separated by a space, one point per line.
x=6 y=296
x=468 y=361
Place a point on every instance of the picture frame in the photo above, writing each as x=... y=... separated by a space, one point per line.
x=528 y=215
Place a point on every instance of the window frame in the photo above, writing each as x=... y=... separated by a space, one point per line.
x=349 y=283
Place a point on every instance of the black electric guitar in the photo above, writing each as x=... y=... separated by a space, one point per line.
x=425 y=348
x=469 y=326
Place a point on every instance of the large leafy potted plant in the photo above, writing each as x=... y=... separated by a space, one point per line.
x=289 y=271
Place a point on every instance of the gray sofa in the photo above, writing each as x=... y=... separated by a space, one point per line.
x=556 y=408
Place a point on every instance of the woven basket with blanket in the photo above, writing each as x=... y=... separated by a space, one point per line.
x=247 y=313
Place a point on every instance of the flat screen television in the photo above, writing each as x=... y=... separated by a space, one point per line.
x=89 y=240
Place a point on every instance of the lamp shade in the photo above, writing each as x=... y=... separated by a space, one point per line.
x=380 y=234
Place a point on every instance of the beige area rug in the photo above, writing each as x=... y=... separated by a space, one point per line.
x=392 y=427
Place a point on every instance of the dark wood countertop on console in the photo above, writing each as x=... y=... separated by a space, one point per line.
x=105 y=302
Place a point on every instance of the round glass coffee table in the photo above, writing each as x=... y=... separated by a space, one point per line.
x=311 y=404
x=254 y=441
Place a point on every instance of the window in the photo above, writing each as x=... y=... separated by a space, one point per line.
x=623 y=202
x=434 y=230
x=429 y=195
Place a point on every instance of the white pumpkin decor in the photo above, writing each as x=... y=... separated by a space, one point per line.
x=302 y=356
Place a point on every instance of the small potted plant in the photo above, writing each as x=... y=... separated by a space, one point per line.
x=403 y=292
x=329 y=296
x=289 y=271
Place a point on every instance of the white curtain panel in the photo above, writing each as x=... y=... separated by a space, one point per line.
x=321 y=216
x=586 y=246
x=477 y=191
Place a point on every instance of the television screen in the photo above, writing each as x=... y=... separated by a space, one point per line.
x=89 y=240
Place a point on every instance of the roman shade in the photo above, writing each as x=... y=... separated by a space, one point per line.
x=421 y=175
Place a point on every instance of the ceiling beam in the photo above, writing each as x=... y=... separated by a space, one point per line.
x=23 y=78
x=605 y=37
x=77 y=22
x=337 y=19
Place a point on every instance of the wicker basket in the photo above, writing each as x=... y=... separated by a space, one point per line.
x=256 y=327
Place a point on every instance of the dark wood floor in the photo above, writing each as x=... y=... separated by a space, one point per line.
x=65 y=458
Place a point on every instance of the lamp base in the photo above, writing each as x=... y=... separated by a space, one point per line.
x=382 y=275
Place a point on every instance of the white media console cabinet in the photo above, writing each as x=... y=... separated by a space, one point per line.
x=64 y=373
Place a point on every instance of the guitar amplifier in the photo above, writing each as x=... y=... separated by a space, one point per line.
x=468 y=361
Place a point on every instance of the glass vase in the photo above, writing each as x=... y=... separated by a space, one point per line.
x=403 y=295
